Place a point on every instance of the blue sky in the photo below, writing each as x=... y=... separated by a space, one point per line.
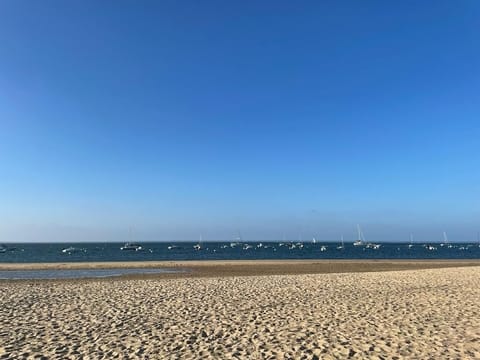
x=214 y=117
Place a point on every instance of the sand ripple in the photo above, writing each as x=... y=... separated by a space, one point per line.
x=427 y=314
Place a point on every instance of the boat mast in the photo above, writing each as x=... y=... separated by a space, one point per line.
x=361 y=238
x=239 y=237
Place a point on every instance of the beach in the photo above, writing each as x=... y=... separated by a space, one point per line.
x=256 y=310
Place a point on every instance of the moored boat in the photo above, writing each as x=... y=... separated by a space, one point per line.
x=360 y=240
x=71 y=249
x=131 y=247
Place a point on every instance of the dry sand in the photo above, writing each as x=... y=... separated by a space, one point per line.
x=419 y=314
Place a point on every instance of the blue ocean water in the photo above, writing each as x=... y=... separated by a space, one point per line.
x=157 y=251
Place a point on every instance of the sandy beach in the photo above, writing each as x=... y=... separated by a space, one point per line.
x=419 y=313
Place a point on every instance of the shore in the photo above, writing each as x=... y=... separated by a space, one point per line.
x=421 y=313
x=221 y=268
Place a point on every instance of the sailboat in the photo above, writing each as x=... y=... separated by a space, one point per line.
x=411 y=241
x=199 y=245
x=342 y=246
x=131 y=246
x=445 y=241
x=283 y=240
x=238 y=241
x=314 y=241
x=361 y=239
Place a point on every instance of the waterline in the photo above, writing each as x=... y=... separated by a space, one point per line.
x=77 y=273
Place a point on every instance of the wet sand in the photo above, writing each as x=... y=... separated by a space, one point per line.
x=215 y=312
x=221 y=268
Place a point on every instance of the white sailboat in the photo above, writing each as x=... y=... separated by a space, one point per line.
x=445 y=241
x=283 y=240
x=237 y=240
x=361 y=239
x=342 y=246
x=199 y=245
x=131 y=246
x=411 y=241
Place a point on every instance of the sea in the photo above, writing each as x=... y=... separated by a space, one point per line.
x=251 y=250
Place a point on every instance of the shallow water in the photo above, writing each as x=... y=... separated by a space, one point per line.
x=76 y=273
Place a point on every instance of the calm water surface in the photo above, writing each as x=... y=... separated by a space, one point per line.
x=76 y=273
x=155 y=251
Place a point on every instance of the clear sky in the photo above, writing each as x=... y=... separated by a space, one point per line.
x=264 y=117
